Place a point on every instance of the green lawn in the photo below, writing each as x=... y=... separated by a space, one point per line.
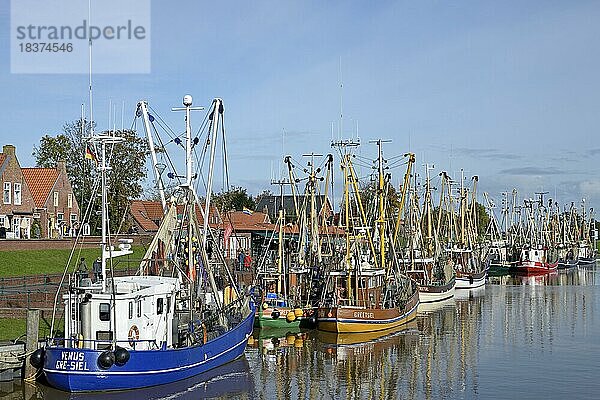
x=50 y=261
x=11 y=329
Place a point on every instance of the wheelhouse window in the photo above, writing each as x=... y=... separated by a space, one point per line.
x=139 y=308
x=130 y=309
x=104 y=312
x=17 y=199
x=6 y=193
x=160 y=305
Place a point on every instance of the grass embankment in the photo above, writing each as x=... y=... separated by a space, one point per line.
x=51 y=261
x=16 y=328
x=48 y=261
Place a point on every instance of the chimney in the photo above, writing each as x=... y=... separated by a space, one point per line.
x=8 y=149
x=61 y=167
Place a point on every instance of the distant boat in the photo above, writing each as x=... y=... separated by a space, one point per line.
x=423 y=259
x=168 y=323
x=536 y=260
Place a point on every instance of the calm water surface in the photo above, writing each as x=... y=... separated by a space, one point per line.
x=522 y=338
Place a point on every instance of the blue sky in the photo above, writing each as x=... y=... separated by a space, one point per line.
x=505 y=90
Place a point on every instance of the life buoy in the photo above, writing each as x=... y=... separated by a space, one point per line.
x=134 y=334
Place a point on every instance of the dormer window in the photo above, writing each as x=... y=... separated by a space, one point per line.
x=6 y=197
x=17 y=199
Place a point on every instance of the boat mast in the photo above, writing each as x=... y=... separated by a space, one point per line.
x=381 y=202
x=143 y=105
x=103 y=167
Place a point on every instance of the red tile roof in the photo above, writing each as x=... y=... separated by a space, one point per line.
x=40 y=182
x=147 y=214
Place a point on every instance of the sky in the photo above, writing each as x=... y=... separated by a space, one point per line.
x=508 y=91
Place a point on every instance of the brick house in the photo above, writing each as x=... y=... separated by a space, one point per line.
x=56 y=208
x=17 y=205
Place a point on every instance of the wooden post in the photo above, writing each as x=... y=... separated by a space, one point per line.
x=33 y=325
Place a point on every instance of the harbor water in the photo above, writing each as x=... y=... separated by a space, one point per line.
x=518 y=337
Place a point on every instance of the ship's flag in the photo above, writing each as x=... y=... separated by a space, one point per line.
x=247 y=211
x=89 y=154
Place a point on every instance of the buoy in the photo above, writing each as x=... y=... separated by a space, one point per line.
x=265 y=306
x=290 y=316
x=298 y=312
x=290 y=338
x=106 y=359
x=37 y=358
x=121 y=356
x=275 y=314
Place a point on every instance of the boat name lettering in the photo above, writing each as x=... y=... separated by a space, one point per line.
x=72 y=361
x=363 y=314
x=72 y=356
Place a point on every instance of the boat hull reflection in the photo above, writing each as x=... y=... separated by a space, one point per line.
x=231 y=378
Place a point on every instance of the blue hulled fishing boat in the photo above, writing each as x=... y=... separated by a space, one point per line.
x=179 y=316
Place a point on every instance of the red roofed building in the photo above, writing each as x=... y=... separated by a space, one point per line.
x=146 y=215
x=17 y=205
x=56 y=208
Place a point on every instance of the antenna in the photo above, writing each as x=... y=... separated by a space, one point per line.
x=187 y=102
x=90 y=71
x=341 y=101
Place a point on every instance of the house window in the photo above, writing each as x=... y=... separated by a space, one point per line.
x=60 y=217
x=6 y=193
x=73 y=219
x=16 y=226
x=55 y=199
x=17 y=194
x=104 y=312
x=70 y=200
x=159 y=305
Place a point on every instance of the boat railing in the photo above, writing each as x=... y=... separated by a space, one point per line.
x=95 y=344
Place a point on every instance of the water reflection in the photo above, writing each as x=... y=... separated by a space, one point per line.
x=573 y=276
x=230 y=379
x=495 y=342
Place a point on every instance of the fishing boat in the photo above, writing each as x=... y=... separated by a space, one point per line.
x=424 y=261
x=503 y=253
x=289 y=287
x=464 y=250
x=366 y=292
x=539 y=255
x=171 y=320
x=536 y=261
x=586 y=249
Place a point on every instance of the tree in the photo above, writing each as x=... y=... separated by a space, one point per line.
x=127 y=160
x=235 y=199
x=262 y=195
